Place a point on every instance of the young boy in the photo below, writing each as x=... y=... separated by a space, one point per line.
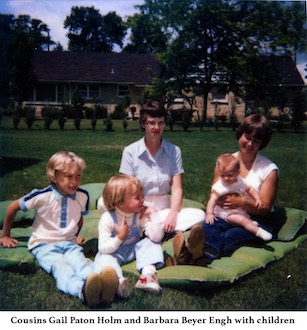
x=54 y=242
x=230 y=182
x=124 y=235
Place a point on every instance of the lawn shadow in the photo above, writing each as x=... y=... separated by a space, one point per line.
x=11 y=164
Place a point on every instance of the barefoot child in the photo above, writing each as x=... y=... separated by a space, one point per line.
x=230 y=182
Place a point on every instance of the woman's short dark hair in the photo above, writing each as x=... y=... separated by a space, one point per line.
x=259 y=126
x=152 y=109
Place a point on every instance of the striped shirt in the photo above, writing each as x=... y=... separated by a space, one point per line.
x=57 y=216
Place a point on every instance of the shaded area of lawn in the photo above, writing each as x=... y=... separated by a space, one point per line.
x=11 y=164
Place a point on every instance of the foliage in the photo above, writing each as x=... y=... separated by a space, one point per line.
x=220 y=42
x=30 y=116
x=16 y=119
x=298 y=109
x=109 y=124
x=49 y=114
x=36 y=30
x=88 y=31
x=146 y=34
x=61 y=117
x=77 y=103
x=119 y=112
x=22 y=75
x=6 y=23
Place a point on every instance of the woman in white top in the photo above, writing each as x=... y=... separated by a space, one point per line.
x=222 y=238
x=157 y=163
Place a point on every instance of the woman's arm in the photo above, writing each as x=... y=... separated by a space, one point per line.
x=176 y=202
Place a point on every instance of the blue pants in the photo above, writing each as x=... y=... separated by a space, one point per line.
x=222 y=239
x=67 y=264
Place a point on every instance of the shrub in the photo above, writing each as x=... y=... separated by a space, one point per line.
x=119 y=112
x=29 y=116
x=60 y=114
x=49 y=114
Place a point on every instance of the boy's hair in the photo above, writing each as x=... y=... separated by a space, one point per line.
x=117 y=188
x=62 y=162
x=259 y=125
x=227 y=161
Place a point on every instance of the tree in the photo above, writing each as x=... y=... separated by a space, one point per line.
x=91 y=32
x=270 y=30
x=203 y=34
x=37 y=31
x=22 y=75
x=27 y=35
x=6 y=24
x=220 y=42
x=146 y=35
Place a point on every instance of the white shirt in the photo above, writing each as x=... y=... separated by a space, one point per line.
x=154 y=173
x=108 y=244
x=261 y=168
x=57 y=216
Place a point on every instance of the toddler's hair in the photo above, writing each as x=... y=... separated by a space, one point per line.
x=117 y=188
x=226 y=162
x=63 y=162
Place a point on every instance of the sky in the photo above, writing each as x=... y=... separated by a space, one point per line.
x=54 y=12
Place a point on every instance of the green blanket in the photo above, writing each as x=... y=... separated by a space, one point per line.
x=220 y=272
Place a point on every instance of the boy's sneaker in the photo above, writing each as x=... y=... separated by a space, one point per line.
x=148 y=283
x=123 y=289
x=109 y=280
x=92 y=290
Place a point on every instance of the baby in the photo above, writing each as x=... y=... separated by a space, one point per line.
x=230 y=182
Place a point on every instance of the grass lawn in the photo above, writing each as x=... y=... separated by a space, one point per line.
x=23 y=157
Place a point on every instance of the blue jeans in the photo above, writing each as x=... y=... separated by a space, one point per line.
x=67 y=264
x=222 y=239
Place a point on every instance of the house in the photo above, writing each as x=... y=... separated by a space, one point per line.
x=109 y=77
x=99 y=77
x=221 y=103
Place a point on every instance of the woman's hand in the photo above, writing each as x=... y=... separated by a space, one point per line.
x=170 y=222
x=231 y=201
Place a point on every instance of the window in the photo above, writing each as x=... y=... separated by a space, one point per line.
x=122 y=90
x=46 y=93
x=61 y=93
x=83 y=91
x=219 y=94
x=93 y=92
x=89 y=92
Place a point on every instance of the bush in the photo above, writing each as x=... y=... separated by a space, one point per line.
x=49 y=114
x=30 y=116
x=17 y=117
x=60 y=114
x=119 y=112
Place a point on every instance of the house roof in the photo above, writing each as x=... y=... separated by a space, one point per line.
x=282 y=70
x=134 y=68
